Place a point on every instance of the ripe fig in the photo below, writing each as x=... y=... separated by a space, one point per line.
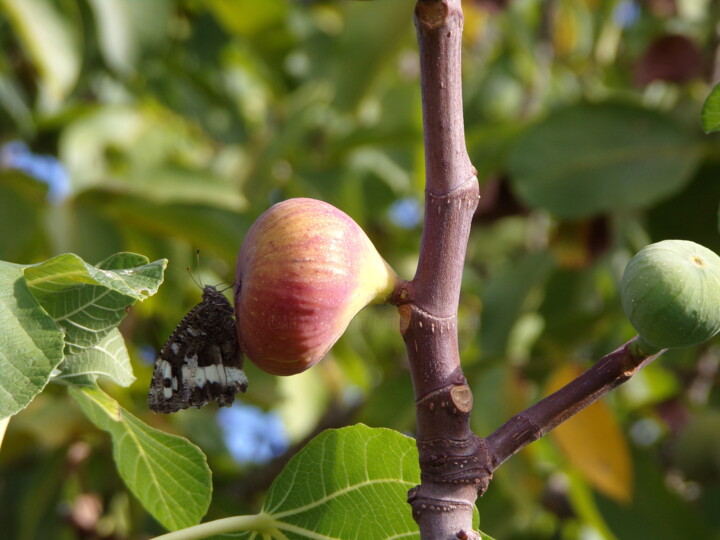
x=671 y=294
x=304 y=271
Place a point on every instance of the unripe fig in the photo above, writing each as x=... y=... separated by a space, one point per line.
x=304 y=271
x=671 y=294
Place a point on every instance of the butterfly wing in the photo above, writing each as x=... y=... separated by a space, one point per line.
x=201 y=360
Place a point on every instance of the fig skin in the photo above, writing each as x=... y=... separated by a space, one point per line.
x=671 y=294
x=304 y=271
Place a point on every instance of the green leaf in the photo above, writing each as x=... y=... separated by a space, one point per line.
x=589 y=159
x=368 y=470
x=108 y=357
x=168 y=474
x=125 y=28
x=248 y=17
x=505 y=298
x=658 y=511
x=710 y=115
x=205 y=227
x=31 y=344
x=348 y=483
x=358 y=60
x=22 y=200
x=88 y=302
x=50 y=41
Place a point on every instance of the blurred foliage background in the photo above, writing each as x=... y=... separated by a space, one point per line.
x=168 y=126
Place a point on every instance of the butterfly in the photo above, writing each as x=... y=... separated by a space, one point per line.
x=201 y=360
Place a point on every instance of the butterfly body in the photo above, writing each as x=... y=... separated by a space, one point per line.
x=201 y=360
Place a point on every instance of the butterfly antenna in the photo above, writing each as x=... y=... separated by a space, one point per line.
x=228 y=285
x=197 y=281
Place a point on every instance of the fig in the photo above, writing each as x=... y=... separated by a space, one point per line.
x=304 y=271
x=670 y=292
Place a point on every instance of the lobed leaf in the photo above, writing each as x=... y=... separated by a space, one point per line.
x=108 y=357
x=65 y=308
x=348 y=483
x=31 y=344
x=88 y=302
x=168 y=474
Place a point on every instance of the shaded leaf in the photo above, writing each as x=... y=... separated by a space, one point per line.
x=658 y=512
x=588 y=159
x=205 y=227
x=22 y=201
x=361 y=49
x=108 y=357
x=31 y=344
x=505 y=297
x=168 y=474
x=594 y=443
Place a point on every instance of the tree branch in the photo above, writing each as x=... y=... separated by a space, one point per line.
x=443 y=504
x=609 y=372
x=455 y=464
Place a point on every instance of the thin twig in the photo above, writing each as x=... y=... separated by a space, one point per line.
x=610 y=371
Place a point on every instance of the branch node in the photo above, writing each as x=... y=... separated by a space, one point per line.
x=423 y=503
x=462 y=534
x=462 y=397
x=457 y=462
x=431 y=14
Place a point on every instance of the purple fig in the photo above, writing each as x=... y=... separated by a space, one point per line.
x=304 y=271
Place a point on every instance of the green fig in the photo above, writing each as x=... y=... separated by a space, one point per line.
x=304 y=271
x=671 y=294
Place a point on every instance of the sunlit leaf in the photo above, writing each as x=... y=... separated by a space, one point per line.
x=594 y=443
x=368 y=470
x=88 y=302
x=31 y=344
x=346 y=484
x=711 y=111
x=168 y=474
x=247 y=17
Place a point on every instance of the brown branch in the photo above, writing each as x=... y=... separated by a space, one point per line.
x=456 y=465
x=443 y=504
x=609 y=372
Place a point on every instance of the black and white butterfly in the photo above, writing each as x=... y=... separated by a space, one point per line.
x=201 y=360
